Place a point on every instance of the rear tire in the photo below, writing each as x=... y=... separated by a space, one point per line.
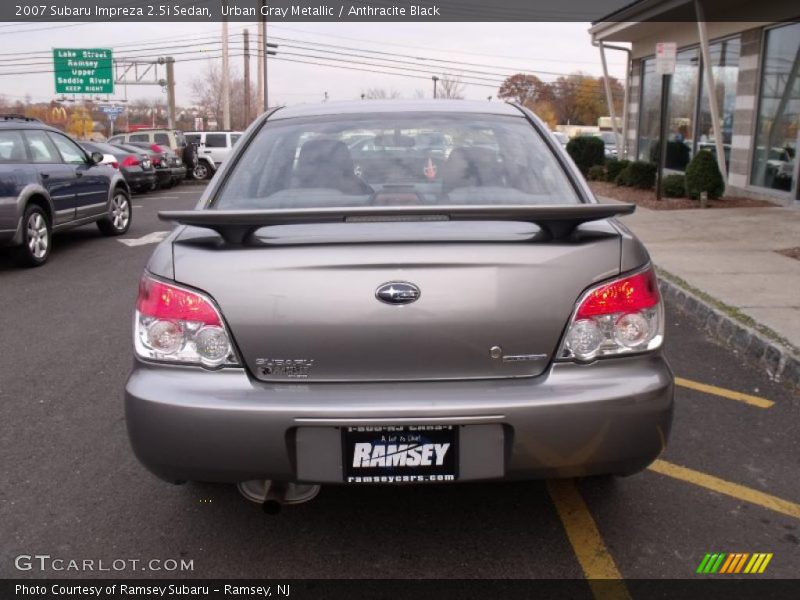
x=201 y=171
x=120 y=213
x=36 y=238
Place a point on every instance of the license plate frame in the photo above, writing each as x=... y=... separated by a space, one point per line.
x=409 y=448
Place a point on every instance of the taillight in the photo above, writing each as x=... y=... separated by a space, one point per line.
x=620 y=317
x=114 y=164
x=155 y=147
x=174 y=324
x=130 y=161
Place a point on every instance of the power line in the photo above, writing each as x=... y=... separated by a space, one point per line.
x=407 y=72
x=468 y=76
x=431 y=48
x=426 y=68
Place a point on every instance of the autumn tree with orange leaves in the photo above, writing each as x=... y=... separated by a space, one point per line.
x=577 y=98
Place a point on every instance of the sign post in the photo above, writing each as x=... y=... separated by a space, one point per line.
x=83 y=70
x=666 y=53
x=112 y=111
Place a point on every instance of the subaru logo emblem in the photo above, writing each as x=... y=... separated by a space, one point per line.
x=398 y=292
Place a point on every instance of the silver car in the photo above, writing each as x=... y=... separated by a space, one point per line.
x=406 y=318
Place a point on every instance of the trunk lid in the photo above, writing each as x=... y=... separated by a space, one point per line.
x=301 y=303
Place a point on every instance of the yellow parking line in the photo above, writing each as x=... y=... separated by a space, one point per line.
x=718 y=391
x=595 y=560
x=734 y=490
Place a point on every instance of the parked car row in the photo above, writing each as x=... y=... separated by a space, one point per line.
x=169 y=168
x=135 y=166
x=50 y=182
x=145 y=166
x=200 y=152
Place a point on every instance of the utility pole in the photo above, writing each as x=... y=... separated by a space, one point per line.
x=435 y=79
x=226 y=84
x=246 y=35
x=171 y=92
x=263 y=50
x=260 y=68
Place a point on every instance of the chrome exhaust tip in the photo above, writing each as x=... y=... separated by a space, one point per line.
x=272 y=495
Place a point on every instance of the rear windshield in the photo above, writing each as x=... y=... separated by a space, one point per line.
x=105 y=148
x=396 y=159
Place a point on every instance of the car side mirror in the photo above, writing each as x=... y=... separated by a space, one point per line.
x=97 y=158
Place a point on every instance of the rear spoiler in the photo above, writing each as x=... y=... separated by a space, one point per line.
x=236 y=226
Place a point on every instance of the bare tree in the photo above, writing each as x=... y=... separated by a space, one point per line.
x=419 y=94
x=149 y=111
x=207 y=92
x=381 y=94
x=450 y=87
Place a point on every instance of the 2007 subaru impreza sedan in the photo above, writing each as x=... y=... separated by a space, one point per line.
x=397 y=292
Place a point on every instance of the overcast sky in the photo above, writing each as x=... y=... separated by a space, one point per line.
x=545 y=49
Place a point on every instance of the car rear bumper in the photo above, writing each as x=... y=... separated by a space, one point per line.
x=138 y=179
x=178 y=173
x=163 y=175
x=612 y=416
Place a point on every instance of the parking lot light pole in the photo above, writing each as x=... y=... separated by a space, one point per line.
x=265 y=51
x=226 y=87
x=246 y=36
x=171 y=91
x=435 y=79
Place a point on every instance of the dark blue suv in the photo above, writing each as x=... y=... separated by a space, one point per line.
x=48 y=183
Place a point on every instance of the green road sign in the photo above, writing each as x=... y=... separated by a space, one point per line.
x=83 y=71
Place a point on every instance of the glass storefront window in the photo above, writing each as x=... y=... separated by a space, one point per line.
x=649 y=109
x=682 y=103
x=725 y=68
x=775 y=152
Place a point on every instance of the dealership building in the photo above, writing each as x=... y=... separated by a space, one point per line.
x=754 y=69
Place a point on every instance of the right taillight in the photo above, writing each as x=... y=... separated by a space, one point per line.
x=130 y=161
x=618 y=317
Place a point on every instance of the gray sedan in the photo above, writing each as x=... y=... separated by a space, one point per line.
x=413 y=320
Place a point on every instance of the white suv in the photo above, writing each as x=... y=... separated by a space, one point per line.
x=213 y=148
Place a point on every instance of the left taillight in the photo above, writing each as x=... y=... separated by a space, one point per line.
x=175 y=324
x=620 y=317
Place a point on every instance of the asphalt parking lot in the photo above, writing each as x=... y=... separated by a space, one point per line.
x=727 y=483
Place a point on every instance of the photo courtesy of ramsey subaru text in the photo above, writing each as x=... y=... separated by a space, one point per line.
x=392 y=293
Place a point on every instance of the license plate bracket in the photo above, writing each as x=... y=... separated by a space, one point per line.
x=400 y=453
